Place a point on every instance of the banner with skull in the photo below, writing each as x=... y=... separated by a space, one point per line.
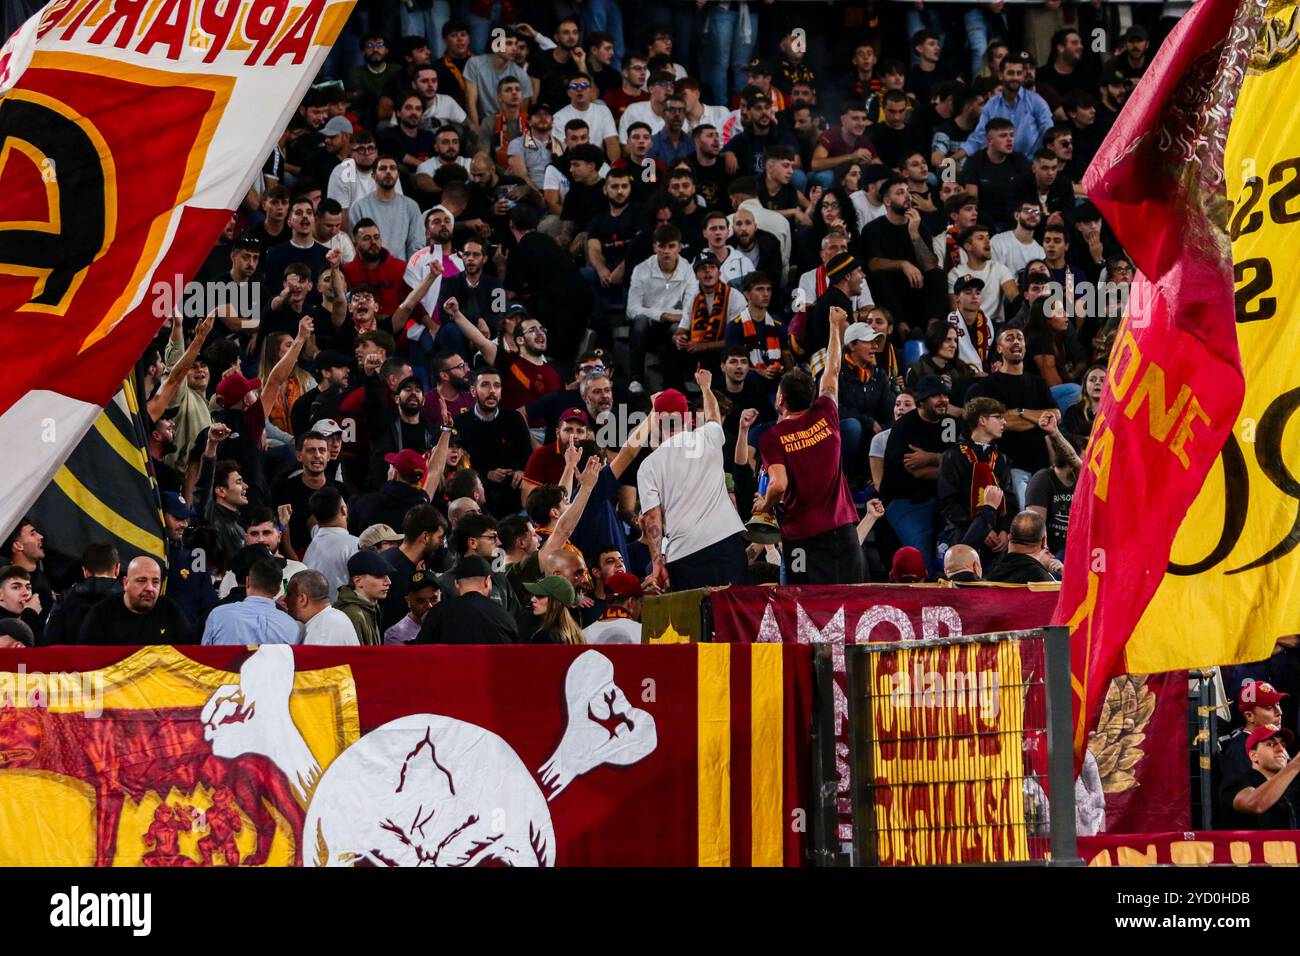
x=438 y=756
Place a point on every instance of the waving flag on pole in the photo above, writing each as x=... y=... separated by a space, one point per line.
x=128 y=133
x=1175 y=384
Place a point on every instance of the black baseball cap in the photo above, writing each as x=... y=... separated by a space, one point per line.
x=472 y=566
x=967 y=282
x=930 y=386
x=329 y=358
x=368 y=562
x=410 y=380
x=753 y=96
x=423 y=579
x=705 y=259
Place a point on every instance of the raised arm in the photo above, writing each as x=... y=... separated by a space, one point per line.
x=830 y=383
x=160 y=402
x=476 y=338
x=747 y=419
x=416 y=296
x=275 y=382
x=704 y=379
x=569 y=520
x=627 y=454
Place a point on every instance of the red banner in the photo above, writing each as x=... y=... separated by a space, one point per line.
x=1206 y=848
x=440 y=756
x=863 y=613
x=1140 y=745
x=1175 y=381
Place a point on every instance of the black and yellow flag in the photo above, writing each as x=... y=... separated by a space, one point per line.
x=105 y=491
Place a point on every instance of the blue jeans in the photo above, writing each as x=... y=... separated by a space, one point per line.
x=803 y=180
x=480 y=29
x=726 y=46
x=981 y=27
x=1066 y=394
x=680 y=17
x=606 y=16
x=1019 y=482
x=427 y=24
x=913 y=522
x=850 y=442
x=927 y=19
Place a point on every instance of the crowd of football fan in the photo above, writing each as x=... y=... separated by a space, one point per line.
x=527 y=320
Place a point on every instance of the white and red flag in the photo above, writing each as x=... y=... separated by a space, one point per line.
x=129 y=131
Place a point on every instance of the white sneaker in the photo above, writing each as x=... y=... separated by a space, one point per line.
x=635 y=387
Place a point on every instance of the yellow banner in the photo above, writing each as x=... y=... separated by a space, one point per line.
x=1235 y=564
x=946 y=758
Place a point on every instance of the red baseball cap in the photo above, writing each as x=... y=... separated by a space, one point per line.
x=623 y=585
x=576 y=414
x=407 y=461
x=1258 y=693
x=909 y=566
x=671 y=402
x=1267 y=732
x=232 y=389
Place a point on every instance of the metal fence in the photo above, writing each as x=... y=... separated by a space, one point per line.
x=960 y=750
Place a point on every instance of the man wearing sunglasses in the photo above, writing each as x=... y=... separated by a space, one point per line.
x=583 y=105
x=566 y=61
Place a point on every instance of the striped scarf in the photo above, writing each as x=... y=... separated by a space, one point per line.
x=863 y=372
x=952 y=251
x=765 y=347
x=888 y=360
x=706 y=323
x=982 y=476
x=981 y=333
x=501 y=135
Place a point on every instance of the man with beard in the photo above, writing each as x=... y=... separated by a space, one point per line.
x=526 y=375
x=162 y=442
x=710 y=171
x=760 y=247
x=189 y=582
x=528 y=155
x=547 y=462
x=913 y=454
x=844 y=285
x=446 y=152
x=484 y=73
x=609 y=235
x=354 y=178
x=545 y=279
x=672 y=142
x=397 y=216
x=1026 y=110
x=414 y=53
x=592 y=388
x=555 y=69
x=321 y=402
x=497 y=442
x=410 y=429
x=437 y=257
x=1027 y=399
x=296 y=489
x=476 y=293
x=746 y=153
x=906 y=277
x=409 y=142
x=369 y=78
x=424 y=530
x=451 y=389
x=1114 y=91
x=1065 y=73
x=142 y=617
x=376 y=267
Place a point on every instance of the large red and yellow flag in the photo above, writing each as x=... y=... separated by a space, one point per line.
x=1165 y=179
x=128 y=131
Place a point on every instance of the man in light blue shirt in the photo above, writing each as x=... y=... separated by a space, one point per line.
x=256 y=619
x=1027 y=110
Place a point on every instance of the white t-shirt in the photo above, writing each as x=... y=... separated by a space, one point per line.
x=807 y=294
x=638 y=113
x=418 y=266
x=228 y=583
x=715 y=116
x=994 y=274
x=940 y=247
x=599 y=120
x=331 y=626
x=866 y=212
x=617 y=631
x=555 y=179
x=684 y=477
x=442 y=110
x=1013 y=253
x=878 y=442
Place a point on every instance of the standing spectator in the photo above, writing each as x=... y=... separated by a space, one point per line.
x=100 y=567
x=331 y=545
x=409 y=475
x=497 y=441
x=421 y=543
x=472 y=617
x=968 y=470
x=689 y=524
x=422 y=596
x=545 y=278
x=295 y=490
x=397 y=216
x=143 y=616
x=1260 y=798
x=255 y=619
x=360 y=600
x=1027 y=398
x=801 y=453
x=308 y=602
x=700 y=335
x=553 y=598
x=354 y=178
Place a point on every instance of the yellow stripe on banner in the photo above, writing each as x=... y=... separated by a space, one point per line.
x=127 y=451
x=109 y=519
x=766 y=755
x=713 y=753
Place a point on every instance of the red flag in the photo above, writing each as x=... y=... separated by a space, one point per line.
x=1175 y=382
x=128 y=132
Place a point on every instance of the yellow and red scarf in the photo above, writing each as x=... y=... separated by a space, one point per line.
x=982 y=476
x=707 y=324
x=764 y=347
x=863 y=372
x=981 y=333
x=501 y=134
x=615 y=613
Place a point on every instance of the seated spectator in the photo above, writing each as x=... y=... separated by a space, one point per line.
x=969 y=469
x=308 y=602
x=19 y=603
x=1076 y=423
x=476 y=535
x=1026 y=559
x=255 y=619
x=906 y=277
x=1016 y=247
x=409 y=478
x=847 y=142
x=360 y=600
x=997 y=285
x=757 y=332
x=620 y=621
x=998 y=175
x=910 y=483
x=100 y=569
x=496 y=440
x=700 y=336
x=656 y=300
x=1059 y=357
x=961 y=565
x=1051 y=491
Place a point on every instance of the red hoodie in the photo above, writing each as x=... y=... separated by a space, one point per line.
x=385 y=278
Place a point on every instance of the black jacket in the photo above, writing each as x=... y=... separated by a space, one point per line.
x=870 y=402
x=1017 y=569
x=472 y=619
x=955 y=474
x=390 y=440
x=769 y=262
x=388 y=505
x=71 y=607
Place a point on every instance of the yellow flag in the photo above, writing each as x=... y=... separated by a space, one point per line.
x=1233 y=586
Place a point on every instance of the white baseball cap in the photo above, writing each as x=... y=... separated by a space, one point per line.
x=861 y=332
